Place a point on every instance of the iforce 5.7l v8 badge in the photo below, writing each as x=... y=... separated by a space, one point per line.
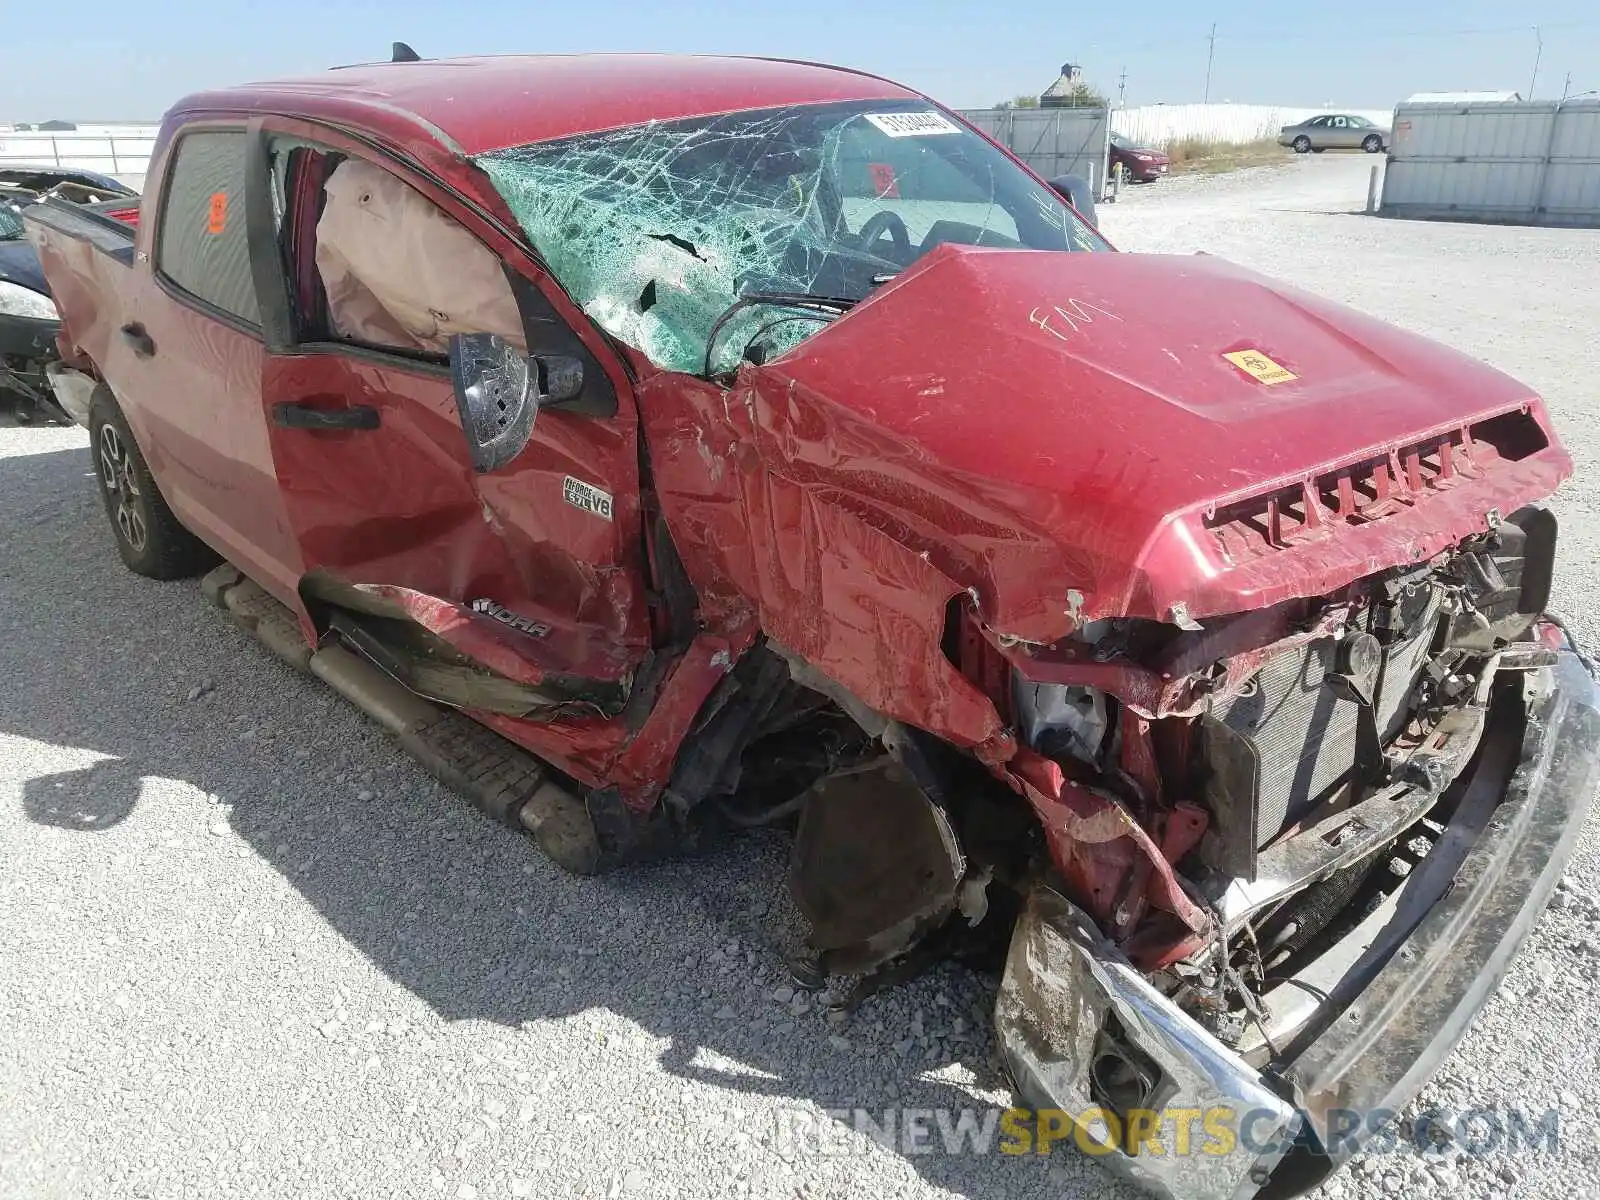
x=586 y=496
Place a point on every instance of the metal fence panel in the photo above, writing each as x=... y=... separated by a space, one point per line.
x=120 y=151
x=1526 y=162
x=1053 y=141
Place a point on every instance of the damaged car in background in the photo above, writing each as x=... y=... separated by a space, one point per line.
x=28 y=323
x=659 y=445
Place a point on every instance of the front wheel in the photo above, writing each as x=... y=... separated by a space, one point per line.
x=1302 y=144
x=1372 y=143
x=150 y=540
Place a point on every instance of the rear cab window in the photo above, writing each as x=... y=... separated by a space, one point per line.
x=202 y=247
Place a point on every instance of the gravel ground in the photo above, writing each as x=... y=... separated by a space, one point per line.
x=246 y=949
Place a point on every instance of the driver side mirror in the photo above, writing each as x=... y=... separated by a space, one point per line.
x=1078 y=192
x=499 y=392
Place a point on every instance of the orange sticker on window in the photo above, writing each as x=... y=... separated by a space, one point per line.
x=217 y=218
x=884 y=182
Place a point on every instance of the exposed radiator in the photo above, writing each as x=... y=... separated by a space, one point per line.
x=1288 y=743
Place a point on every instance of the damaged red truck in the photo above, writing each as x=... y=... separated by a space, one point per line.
x=746 y=441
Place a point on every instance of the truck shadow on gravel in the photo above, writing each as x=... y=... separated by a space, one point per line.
x=461 y=912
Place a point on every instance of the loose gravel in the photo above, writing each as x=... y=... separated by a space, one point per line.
x=247 y=949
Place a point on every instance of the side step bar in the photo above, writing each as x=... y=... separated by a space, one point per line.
x=503 y=780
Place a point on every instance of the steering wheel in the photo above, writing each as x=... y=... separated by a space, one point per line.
x=872 y=230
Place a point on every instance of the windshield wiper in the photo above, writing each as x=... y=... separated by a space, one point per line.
x=824 y=308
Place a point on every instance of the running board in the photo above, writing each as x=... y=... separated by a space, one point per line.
x=499 y=778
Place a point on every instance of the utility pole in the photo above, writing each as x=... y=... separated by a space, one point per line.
x=1538 y=53
x=1122 y=86
x=1566 y=87
x=1211 y=57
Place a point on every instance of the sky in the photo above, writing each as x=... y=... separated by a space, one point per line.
x=94 y=60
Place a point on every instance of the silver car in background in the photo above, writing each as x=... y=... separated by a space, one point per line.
x=1334 y=131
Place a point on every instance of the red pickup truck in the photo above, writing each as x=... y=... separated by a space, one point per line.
x=660 y=444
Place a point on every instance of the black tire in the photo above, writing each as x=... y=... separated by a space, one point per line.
x=1302 y=144
x=1372 y=143
x=150 y=540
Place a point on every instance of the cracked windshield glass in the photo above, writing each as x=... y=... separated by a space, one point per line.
x=658 y=230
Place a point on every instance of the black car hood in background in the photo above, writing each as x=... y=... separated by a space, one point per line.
x=20 y=264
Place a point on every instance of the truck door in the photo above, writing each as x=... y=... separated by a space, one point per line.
x=533 y=569
x=185 y=361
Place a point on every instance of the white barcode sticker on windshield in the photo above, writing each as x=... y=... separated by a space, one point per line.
x=912 y=124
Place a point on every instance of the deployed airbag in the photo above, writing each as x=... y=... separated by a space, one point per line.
x=399 y=272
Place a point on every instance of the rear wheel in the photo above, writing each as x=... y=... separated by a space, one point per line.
x=150 y=540
x=1372 y=143
x=1302 y=144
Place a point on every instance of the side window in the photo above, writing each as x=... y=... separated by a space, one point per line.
x=397 y=273
x=201 y=244
x=374 y=263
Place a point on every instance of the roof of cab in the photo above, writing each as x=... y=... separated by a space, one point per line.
x=482 y=104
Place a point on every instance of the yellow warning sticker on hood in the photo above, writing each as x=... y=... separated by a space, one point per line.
x=1253 y=362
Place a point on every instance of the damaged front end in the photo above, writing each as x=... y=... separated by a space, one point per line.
x=1284 y=856
x=1190 y=666
x=1418 y=745
x=1284 y=1072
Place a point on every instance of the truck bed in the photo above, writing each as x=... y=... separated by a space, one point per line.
x=86 y=256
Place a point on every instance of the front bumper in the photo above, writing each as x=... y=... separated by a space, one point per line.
x=1082 y=1031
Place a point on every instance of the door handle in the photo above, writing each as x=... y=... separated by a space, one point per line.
x=304 y=416
x=133 y=333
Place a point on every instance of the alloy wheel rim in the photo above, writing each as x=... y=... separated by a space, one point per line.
x=122 y=489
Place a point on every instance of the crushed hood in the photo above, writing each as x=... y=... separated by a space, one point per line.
x=1111 y=405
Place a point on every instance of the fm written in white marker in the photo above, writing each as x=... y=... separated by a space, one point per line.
x=1062 y=321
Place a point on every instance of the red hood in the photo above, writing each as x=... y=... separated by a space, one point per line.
x=1083 y=403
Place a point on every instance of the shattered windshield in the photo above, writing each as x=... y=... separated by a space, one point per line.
x=10 y=222
x=657 y=229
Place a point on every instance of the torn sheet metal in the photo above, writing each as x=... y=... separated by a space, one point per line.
x=1100 y=455
x=1111 y=862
